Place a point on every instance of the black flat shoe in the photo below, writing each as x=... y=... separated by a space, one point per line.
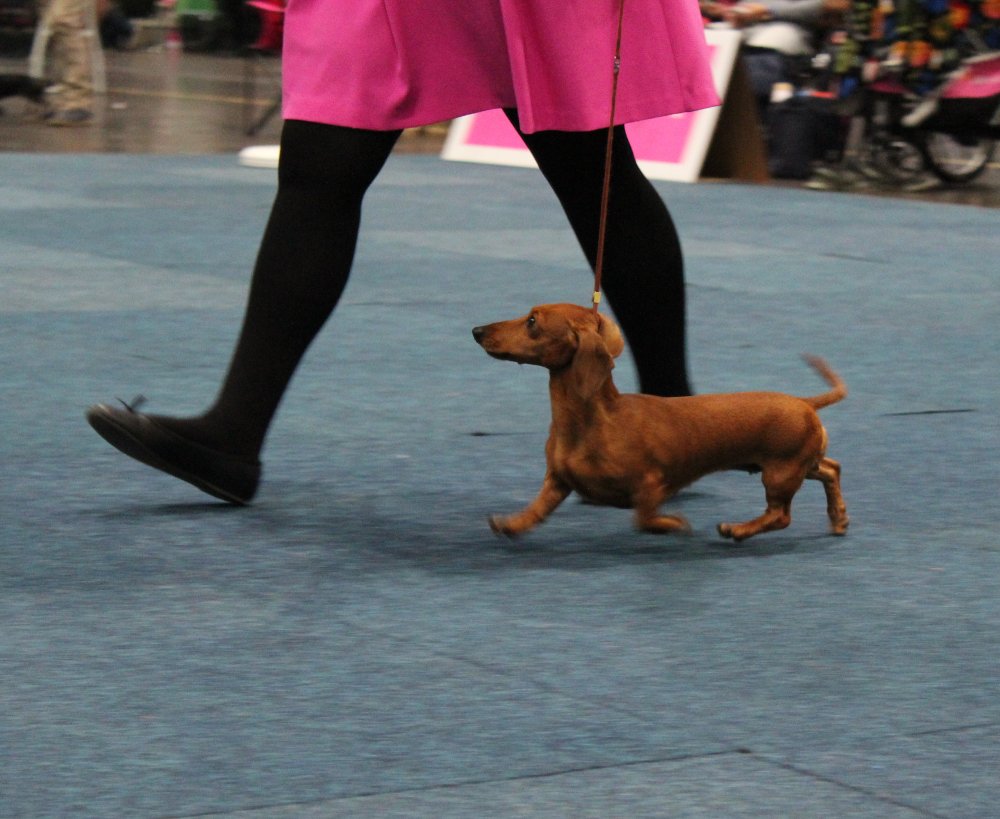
x=137 y=435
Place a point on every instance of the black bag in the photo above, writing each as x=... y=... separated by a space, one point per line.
x=802 y=130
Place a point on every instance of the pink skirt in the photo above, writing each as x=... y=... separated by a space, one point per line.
x=388 y=64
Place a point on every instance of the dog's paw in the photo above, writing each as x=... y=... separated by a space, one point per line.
x=683 y=526
x=728 y=530
x=665 y=524
x=501 y=526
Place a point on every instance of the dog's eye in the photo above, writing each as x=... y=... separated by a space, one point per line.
x=530 y=322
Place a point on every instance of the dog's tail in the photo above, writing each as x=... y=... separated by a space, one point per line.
x=839 y=391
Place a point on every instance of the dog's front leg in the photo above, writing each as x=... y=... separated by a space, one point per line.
x=552 y=493
x=651 y=493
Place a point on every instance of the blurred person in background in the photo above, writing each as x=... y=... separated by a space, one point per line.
x=68 y=63
x=779 y=36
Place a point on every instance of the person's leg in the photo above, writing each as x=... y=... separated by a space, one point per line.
x=643 y=275
x=71 y=45
x=301 y=270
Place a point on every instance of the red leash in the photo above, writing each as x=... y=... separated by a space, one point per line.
x=606 y=190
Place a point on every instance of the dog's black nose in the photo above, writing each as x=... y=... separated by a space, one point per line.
x=478 y=333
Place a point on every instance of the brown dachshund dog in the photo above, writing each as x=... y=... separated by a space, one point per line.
x=636 y=451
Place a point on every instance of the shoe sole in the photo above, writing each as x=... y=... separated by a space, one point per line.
x=124 y=441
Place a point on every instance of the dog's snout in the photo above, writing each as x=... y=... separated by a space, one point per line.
x=478 y=333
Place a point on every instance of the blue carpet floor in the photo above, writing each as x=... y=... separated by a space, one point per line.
x=357 y=642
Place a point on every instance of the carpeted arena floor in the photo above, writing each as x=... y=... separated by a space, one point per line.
x=358 y=643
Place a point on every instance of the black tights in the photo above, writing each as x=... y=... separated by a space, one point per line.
x=643 y=274
x=308 y=246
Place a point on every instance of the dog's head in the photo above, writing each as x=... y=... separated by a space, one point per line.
x=558 y=337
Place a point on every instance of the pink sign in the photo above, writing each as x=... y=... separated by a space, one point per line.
x=667 y=148
x=491 y=128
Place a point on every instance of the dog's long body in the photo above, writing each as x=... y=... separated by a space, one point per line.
x=636 y=451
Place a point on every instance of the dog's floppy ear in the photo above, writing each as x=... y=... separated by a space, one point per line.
x=612 y=336
x=592 y=364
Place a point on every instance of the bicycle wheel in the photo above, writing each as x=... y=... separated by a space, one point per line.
x=956 y=160
x=892 y=160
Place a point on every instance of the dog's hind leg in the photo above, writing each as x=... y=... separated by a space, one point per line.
x=780 y=485
x=827 y=471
